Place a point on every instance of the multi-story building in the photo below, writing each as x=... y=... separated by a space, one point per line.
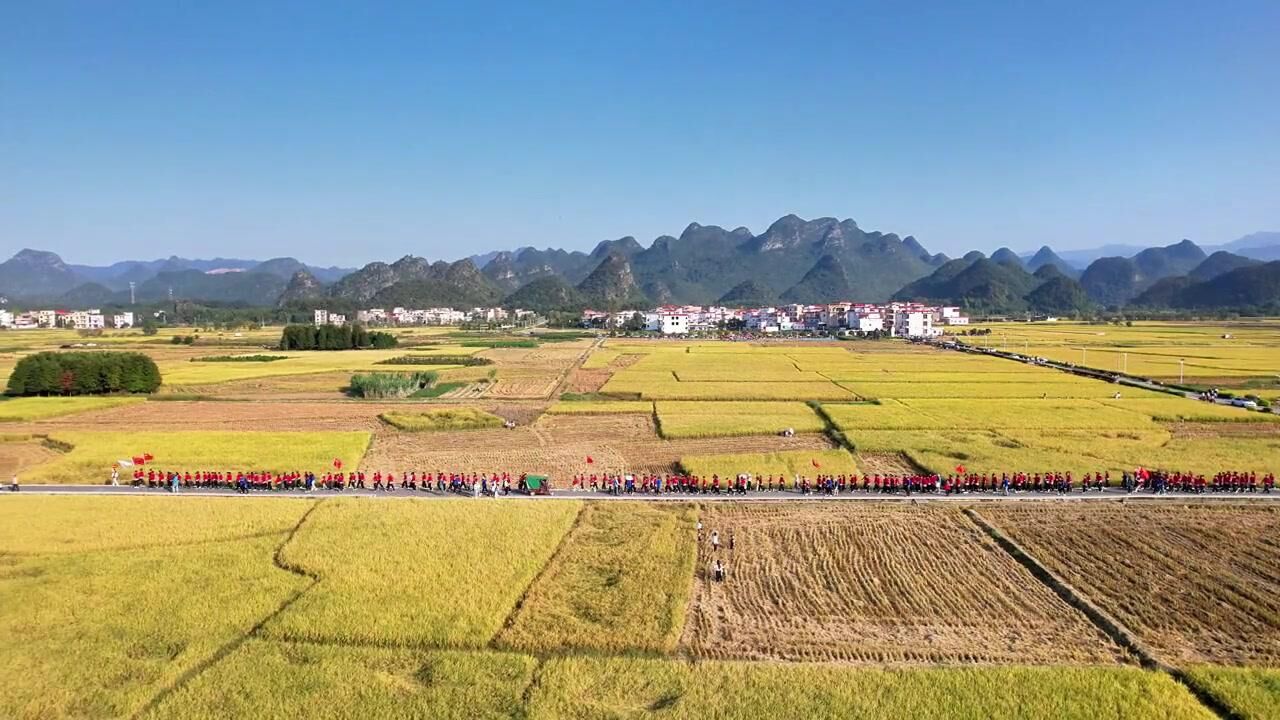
x=122 y=320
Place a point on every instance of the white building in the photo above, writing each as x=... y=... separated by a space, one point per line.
x=865 y=319
x=674 y=324
x=47 y=318
x=122 y=320
x=914 y=323
x=86 y=320
x=951 y=316
x=6 y=319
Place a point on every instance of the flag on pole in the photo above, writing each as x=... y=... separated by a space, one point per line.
x=960 y=469
x=125 y=463
x=337 y=463
x=140 y=460
x=815 y=463
x=148 y=457
x=590 y=460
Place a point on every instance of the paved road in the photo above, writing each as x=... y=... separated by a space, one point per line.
x=1112 y=495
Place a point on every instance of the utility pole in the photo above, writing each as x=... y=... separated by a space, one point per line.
x=132 y=299
x=1180 y=371
x=1084 y=356
x=1126 y=363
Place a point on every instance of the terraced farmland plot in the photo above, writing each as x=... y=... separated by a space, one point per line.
x=1198 y=584
x=727 y=419
x=589 y=688
x=425 y=574
x=876 y=584
x=620 y=582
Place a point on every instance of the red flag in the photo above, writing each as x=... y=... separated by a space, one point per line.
x=815 y=463
x=139 y=461
x=960 y=469
x=337 y=463
x=148 y=457
x=590 y=460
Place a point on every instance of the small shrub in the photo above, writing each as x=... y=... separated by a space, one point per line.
x=391 y=385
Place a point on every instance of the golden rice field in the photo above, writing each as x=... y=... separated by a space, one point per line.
x=334 y=607
x=1236 y=354
x=603 y=407
x=38 y=408
x=678 y=419
x=396 y=579
x=784 y=464
x=91 y=454
x=618 y=583
x=441 y=419
x=319 y=607
x=594 y=689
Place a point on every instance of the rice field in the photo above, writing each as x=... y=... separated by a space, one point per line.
x=620 y=583
x=785 y=464
x=302 y=681
x=28 y=409
x=728 y=419
x=188 y=372
x=574 y=688
x=400 y=578
x=98 y=634
x=1253 y=693
x=601 y=407
x=92 y=454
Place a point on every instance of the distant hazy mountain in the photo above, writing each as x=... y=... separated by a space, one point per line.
x=1220 y=263
x=1252 y=288
x=35 y=273
x=1117 y=280
x=1046 y=256
x=1258 y=246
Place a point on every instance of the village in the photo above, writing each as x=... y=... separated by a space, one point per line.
x=92 y=319
x=896 y=319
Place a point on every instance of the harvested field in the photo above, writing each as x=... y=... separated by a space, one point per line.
x=886 y=463
x=207 y=415
x=17 y=456
x=877 y=583
x=314 y=386
x=586 y=381
x=530 y=386
x=1197 y=583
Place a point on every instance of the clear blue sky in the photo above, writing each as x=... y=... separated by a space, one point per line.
x=350 y=132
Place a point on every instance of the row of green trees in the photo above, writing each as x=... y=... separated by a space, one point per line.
x=84 y=373
x=332 y=337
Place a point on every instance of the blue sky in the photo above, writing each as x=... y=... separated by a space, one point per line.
x=350 y=132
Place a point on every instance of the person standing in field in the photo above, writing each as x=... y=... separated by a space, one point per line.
x=115 y=476
x=717 y=570
x=715 y=541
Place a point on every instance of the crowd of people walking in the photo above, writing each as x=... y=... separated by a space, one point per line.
x=494 y=484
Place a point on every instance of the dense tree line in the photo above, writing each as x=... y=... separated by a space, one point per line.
x=332 y=337
x=84 y=373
